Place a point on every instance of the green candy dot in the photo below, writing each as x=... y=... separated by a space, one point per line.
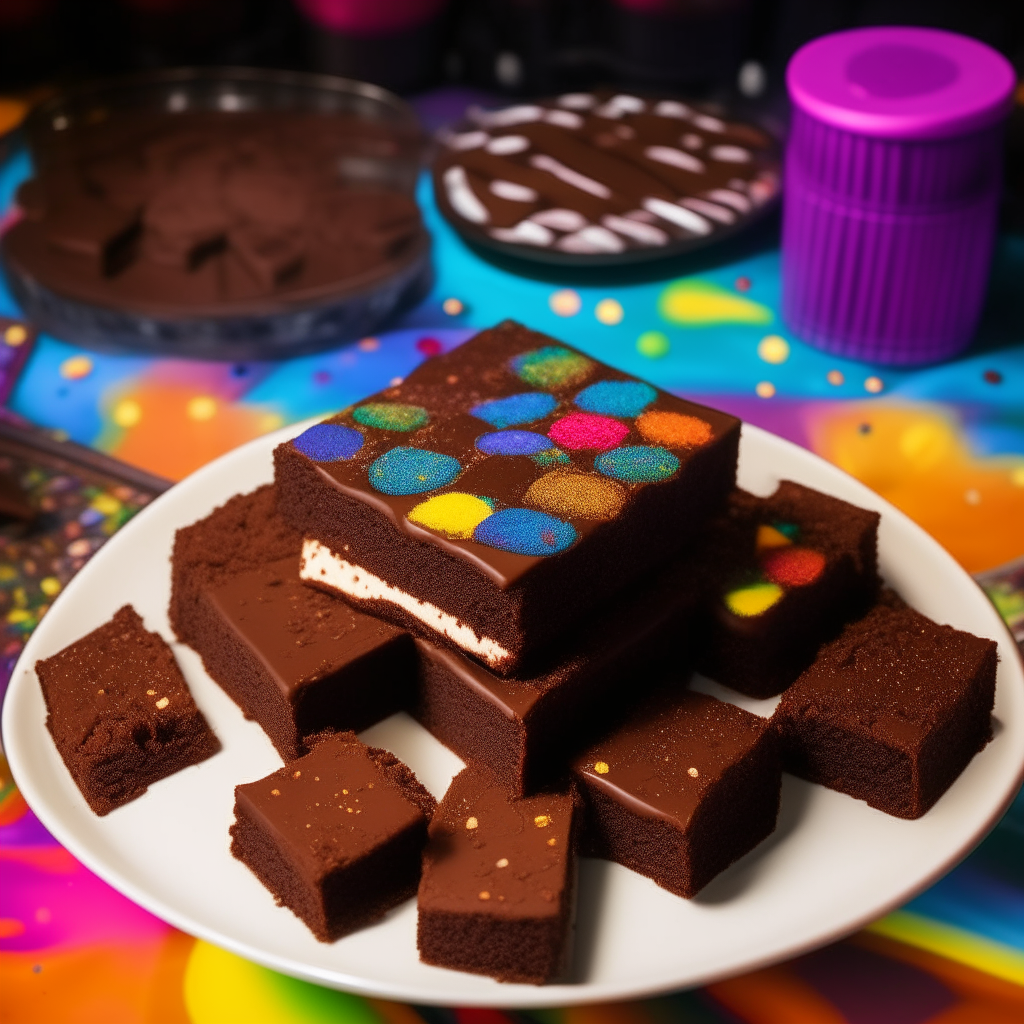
x=391 y=416
x=653 y=344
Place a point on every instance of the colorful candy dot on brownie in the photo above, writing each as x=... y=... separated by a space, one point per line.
x=391 y=416
x=787 y=529
x=585 y=430
x=515 y=409
x=637 y=464
x=552 y=367
x=769 y=537
x=455 y=514
x=793 y=566
x=513 y=442
x=753 y=599
x=523 y=531
x=328 y=442
x=551 y=457
x=576 y=495
x=626 y=398
x=412 y=471
x=674 y=429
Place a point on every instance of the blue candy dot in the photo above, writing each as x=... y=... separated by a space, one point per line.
x=508 y=412
x=328 y=442
x=525 y=532
x=637 y=464
x=412 y=471
x=513 y=442
x=616 y=397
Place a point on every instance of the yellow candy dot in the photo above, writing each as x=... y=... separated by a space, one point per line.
x=1017 y=476
x=753 y=600
x=601 y=767
x=769 y=537
x=202 y=407
x=773 y=349
x=653 y=344
x=106 y=504
x=565 y=302
x=455 y=515
x=610 y=312
x=50 y=586
x=873 y=385
x=76 y=368
x=15 y=335
x=765 y=389
x=127 y=413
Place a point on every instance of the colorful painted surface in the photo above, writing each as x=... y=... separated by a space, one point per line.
x=945 y=444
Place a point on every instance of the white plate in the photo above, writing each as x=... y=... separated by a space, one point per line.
x=832 y=865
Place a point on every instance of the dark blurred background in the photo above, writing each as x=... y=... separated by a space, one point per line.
x=716 y=48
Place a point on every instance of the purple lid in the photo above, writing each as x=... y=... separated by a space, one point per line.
x=901 y=83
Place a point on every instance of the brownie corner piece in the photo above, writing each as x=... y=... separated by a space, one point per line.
x=120 y=712
x=685 y=787
x=499 y=879
x=336 y=836
x=892 y=711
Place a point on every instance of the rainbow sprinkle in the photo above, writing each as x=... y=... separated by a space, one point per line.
x=583 y=430
x=551 y=367
x=456 y=514
x=328 y=442
x=412 y=471
x=513 y=442
x=525 y=532
x=515 y=409
x=391 y=416
x=754 y=599
x=624 y=398
x=637 y=464
x=770 y=537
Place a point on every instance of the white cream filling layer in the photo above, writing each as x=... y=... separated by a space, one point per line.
x=324 y=566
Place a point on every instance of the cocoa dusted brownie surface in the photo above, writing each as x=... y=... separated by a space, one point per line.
x=120 y=712
x=892 y=711
x=783 y=573
x=336 y=836
x=499 y=877
x=527 y=727
x=684 y=788
x=502 y=491
x=296 y=660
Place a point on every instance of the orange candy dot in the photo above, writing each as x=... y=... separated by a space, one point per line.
x=793 y=567
x=674 y=429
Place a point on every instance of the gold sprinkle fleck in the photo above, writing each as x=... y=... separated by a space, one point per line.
x=149 y=693
x=316 y=778
x=552 y=841
x=601 y=767
x=275 y=792
x=99 y=693
x=349 y=809
x=345 y=791
x=693 y=772
x=295 y=775
x=503 y=863
x=485 y=895
x=471 y=823
x=309 y=826
x=542 y=821
x=369 y=785
x=163 y=702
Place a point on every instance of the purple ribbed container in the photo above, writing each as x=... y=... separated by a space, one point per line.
x=893 y=174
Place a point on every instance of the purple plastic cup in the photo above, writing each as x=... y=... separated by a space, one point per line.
x=892 y=182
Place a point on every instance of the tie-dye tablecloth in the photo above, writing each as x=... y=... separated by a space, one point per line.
x=945 y=444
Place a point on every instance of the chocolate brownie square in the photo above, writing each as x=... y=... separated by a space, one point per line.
x=294 y=659
x=336 y=836
x=892 y=711
x=120 y=712
x=527 y=727
x=783 y=574
x=502 y=491
x=683 y=789
x=499 y=877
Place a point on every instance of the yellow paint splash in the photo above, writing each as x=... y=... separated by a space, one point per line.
x=695 y=303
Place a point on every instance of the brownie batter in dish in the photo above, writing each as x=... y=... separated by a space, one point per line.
x=210 y=212
x=602 y=177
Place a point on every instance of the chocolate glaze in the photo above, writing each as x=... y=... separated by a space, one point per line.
x=120 y=712
x=519 y=600
x=499 y=876
x=205 y=211
x=336 y=835
x=686 y=786
x=596 y=160
x=892 y=711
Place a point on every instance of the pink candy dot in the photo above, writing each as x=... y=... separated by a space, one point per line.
x=429 y=347
x=581 y=430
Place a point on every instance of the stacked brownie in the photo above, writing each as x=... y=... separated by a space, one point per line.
x=529 y=552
